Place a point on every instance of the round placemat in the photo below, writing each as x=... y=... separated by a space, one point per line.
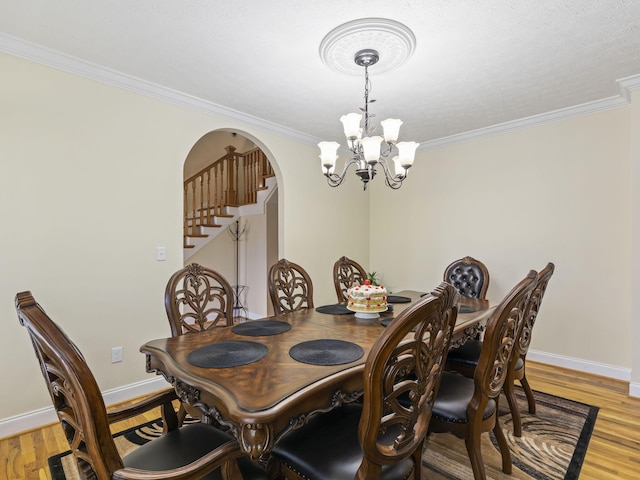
x=386 y=321
x=227 y=354
x=397 y=299
x=335 y=309
x=326 y=352
x=465 y=309
x=261 y=328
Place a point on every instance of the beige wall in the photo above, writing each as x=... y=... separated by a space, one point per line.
x=559 y=192
x=91 y=264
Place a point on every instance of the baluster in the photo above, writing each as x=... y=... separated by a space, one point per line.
x=193 y=209
x=216 y=203
x=224 y=188
x=261 y=171
x=185 y=209
x=246 y=186
x=208 y=197
x=201 y=209
x=253 y=178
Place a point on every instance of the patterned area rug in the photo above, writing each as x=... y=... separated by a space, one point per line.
x=553 y=445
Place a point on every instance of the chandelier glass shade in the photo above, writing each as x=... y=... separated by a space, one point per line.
x=369 y=151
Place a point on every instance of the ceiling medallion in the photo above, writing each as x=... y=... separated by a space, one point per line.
x=393 y=41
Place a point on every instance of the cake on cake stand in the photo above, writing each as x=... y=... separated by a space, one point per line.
x=367 y=300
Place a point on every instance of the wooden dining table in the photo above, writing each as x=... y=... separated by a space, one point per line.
x=263 y=400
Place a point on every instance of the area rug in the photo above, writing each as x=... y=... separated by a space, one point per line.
x=553 y=444
x=552 y=447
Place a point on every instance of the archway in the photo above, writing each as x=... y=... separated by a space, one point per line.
x=243 y=261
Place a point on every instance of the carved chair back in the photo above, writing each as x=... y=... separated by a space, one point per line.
x=469 y=276
x=196 y=299
x=532 y=312
x=402 y=375
x=499 y=343
x=347 y=272
x=290 y=287
x=74 y=392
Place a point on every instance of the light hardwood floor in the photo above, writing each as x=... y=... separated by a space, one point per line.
x=614 y=449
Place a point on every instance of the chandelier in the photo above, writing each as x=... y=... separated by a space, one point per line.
x=367 y=150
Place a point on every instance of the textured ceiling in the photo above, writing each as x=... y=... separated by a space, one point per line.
x=476 y=63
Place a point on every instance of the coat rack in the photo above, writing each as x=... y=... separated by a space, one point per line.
x=237 y=232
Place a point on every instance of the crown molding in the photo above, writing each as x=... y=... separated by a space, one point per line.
x=36 y=53
x=625 y=85
x=629 y=83
x=67 y=63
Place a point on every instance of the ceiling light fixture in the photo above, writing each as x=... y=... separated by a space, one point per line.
x=367 y=152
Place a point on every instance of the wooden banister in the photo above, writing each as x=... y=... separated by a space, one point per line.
x=231 y=181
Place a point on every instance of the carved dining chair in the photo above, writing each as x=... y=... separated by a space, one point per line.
x=468 y=407
x=381 y=437
x=198 y=298
x=517 y=371
x=347 y=272
x=464 y=359
x=192 y=451
x=290 y=287
x=469 y=276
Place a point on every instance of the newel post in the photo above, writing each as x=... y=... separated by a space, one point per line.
x=232 y=173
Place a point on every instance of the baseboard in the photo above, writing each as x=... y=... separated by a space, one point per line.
x=254 y=316
x=634 y=390
x=44 y=416
x=580 y=365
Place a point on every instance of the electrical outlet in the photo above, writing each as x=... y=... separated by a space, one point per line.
x=116 y=354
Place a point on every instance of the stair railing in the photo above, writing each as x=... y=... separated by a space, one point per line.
x=231 y=181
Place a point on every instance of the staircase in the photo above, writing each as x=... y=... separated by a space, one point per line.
x=235 y=185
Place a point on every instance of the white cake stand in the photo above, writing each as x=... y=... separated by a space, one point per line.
x=367 y=315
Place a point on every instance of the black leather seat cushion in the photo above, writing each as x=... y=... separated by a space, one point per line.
x=453 y=398
x=327 y=448
x=468 y=354
x=184 y=445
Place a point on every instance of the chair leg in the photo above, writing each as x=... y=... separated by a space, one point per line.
x=182 y=413
x=527 y=390
x=417 y=462
x=170 y=419
x=509 y=392
x=472 y=443
x=504 y=447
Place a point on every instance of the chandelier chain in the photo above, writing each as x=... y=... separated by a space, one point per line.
x=367 y=89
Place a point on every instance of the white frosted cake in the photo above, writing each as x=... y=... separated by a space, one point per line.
x=367 y=298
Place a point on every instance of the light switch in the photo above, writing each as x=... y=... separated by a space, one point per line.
x=161 y=254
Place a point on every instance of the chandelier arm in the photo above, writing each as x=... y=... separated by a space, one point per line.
x=387 y=150
x=393 y=181
x=333 y=179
